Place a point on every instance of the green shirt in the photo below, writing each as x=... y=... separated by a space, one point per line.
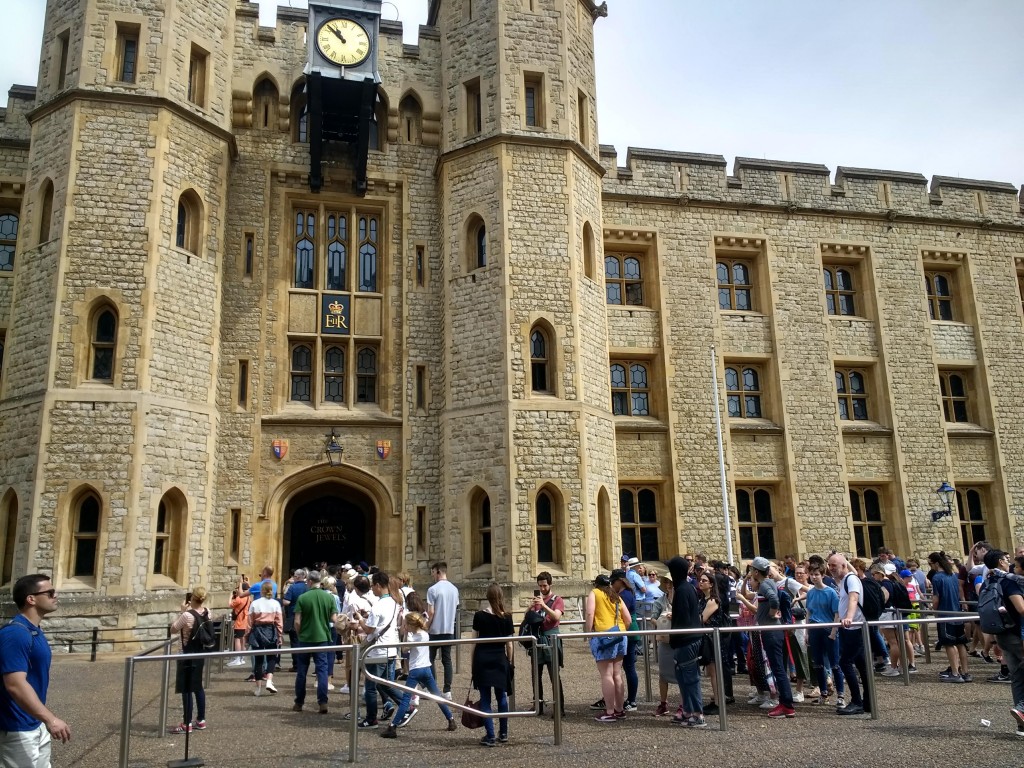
x=316 y=606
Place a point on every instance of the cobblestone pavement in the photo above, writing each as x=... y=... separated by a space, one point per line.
x=928 y=724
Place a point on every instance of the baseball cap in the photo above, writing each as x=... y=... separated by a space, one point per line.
x=617 y=574
x=904 y=573
x=888 y=568
x=761 y=564
x=624 y=559
x=602 y=581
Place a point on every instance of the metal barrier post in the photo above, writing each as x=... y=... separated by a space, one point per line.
x=720 y=672
x=925 y=641
x=901 y=640
x=458 y=636
x=165 y=685
x=645 y=618
x=556 y=689
x=126 y=712
x=869 y=682
x=353 y=731
x=95 y=642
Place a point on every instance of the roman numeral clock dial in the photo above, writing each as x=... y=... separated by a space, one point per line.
x=343 y=42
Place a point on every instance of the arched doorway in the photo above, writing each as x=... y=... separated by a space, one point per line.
x=329 y=522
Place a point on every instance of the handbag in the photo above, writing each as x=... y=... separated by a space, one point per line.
x=471 y=719
x=608 y=642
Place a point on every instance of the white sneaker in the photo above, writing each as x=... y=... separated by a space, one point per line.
x=770 y=704
x=415 y=701
x=235 y=662
x=756 y=698
x=271 y=688
x=448 y=695
x=891 y=672
x=259 y=690
x=345 y=689
x=798 y=697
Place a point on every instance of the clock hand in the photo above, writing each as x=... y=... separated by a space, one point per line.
x=339 y=35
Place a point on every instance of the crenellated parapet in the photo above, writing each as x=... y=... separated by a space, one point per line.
x=14 y=126
x=684 y=177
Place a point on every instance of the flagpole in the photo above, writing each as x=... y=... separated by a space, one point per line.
x=721 y=455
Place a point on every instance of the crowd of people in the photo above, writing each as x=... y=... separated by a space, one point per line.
x=804 y=660
x=800 y=662
x=786 y=647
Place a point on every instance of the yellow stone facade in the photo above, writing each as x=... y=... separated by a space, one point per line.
x=526 y=378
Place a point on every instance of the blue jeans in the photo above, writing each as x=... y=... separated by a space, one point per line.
x=774 y=645
x=485 y=706
x=688 y=676
x=824 y=657
x=629 y=668
x=380 y=668
x=302 y=666
x=423 y=677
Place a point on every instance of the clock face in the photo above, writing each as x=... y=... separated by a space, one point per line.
x=343 y=42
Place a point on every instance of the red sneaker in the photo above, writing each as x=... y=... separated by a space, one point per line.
x=782 y=711
x=662 y=709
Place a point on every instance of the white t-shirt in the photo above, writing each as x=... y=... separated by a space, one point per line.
x=851 y=581
x=386 y=613
x=443 y=599
x=357 y=602
x=419 y=656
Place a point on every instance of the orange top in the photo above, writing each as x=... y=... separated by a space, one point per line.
x=240 y=610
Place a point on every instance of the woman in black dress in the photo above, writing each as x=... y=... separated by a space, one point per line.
x=491 y=662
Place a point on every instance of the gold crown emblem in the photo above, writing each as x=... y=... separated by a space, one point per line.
x=336 y=308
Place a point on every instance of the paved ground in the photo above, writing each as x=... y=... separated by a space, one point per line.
x=928 y=724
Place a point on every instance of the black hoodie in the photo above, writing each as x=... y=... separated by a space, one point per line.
x=685 y=611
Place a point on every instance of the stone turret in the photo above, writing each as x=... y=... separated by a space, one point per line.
x=529 y=438
x=110 y=355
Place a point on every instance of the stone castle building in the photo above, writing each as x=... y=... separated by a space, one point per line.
x=465 y=333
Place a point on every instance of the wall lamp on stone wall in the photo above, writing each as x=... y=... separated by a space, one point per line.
x=333 y=449
x=945 y=493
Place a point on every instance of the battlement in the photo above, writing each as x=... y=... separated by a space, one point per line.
x=691 y=177
x=21 y=99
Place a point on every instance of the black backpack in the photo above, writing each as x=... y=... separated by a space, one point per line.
x=202 y=638
x=900 y=598
x=994 y=618
x=530 y=627
x=872 y=598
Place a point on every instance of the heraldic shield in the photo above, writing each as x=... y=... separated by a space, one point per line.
x=383 y=448
x=280 y=448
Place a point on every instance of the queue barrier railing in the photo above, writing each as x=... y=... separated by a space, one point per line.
x=866 y=628
x=358 y=662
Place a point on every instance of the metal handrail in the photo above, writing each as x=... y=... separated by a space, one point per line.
x=359 y=652
x=716 y=632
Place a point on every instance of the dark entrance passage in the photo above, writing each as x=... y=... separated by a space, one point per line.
x=331 y=524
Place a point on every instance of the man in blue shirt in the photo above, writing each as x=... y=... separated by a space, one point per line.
x=291 y=596
x=948 y=597
x=26 y=725
x=265 y=575
x=635 y=581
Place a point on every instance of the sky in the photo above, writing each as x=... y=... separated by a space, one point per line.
x=931 y=86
